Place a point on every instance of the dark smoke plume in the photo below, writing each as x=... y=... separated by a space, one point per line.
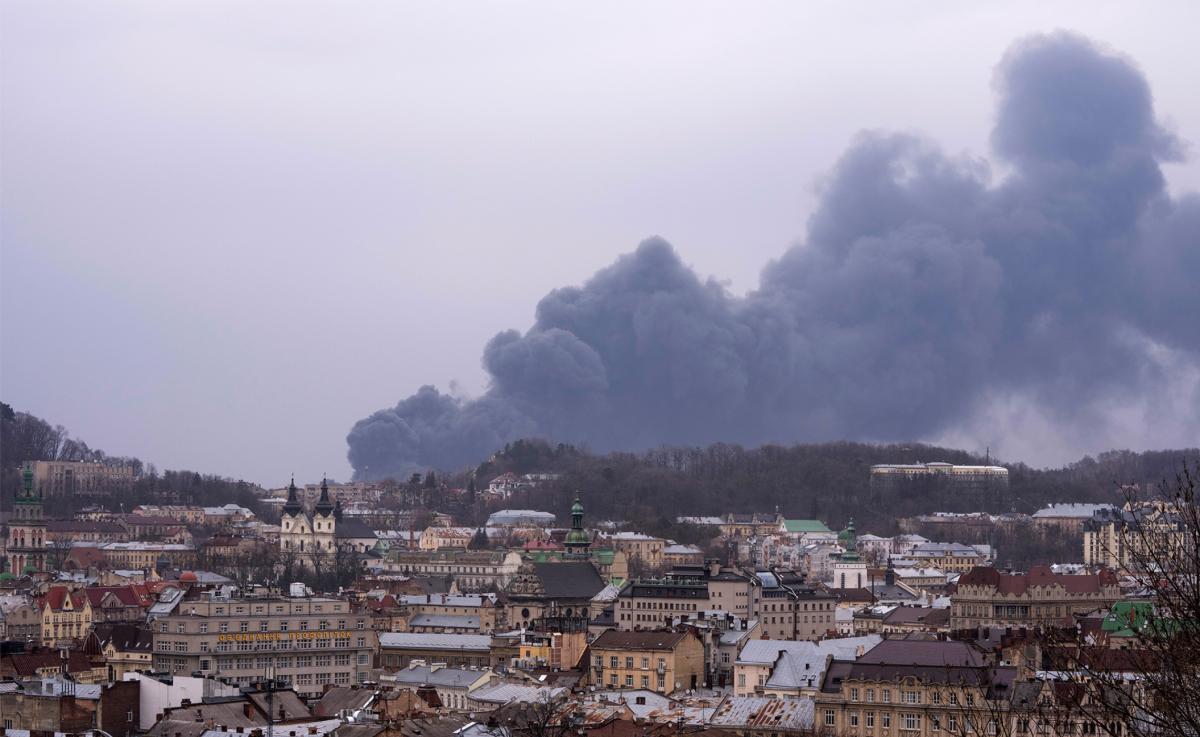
x=921 y=288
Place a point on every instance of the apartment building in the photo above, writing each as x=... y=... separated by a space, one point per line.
x=987 y=597
x=473 y=570
x=788 y=608
x=309 y=641
x=663 y=661
x=917 y=688
x=1118 y=538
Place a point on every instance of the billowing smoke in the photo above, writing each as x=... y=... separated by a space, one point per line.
x=922 y=288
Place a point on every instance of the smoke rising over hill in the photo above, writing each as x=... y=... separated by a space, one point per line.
x=924 y=287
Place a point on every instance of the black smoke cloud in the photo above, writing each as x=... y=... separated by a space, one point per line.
x=922 y=286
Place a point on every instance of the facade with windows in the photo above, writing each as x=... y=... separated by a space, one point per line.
x=922 y=688
x=663 y=662
x=310 y=642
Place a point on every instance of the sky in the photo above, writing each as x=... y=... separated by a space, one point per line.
x=228 y=232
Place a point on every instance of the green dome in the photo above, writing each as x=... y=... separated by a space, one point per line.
x=29 y=569
x=6 y=576
x=577 y=507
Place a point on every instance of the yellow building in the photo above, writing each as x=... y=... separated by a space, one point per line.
x=916 y=688
x=663 y=662
x=125 y=648
x=1118 y=538
x=66 y=616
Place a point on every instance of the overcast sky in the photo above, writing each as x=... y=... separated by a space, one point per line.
x=230 y=230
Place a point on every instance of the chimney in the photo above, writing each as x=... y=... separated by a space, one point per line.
x=248 y=711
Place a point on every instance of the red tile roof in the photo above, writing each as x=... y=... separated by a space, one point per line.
x=1019 y=583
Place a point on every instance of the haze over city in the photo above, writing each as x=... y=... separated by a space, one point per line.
x=230 y=233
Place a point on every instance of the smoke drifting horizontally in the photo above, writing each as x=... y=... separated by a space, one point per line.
x=921 y=289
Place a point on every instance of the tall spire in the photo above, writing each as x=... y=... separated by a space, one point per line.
x=324 y=506
x=293 y=502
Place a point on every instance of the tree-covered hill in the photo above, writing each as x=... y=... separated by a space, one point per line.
x=830 y=481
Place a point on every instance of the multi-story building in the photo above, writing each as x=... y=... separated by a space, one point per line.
x=398 y=650
x=438 y=537
x=472 y=570
x=682 y=555
x=1120 y=538
x=952 y=557
x=662 y=661
x=80 y=478
x=1067 y=518
x=750 y=525
x=967 y=477
x=309 y=641
x=125 y=647
x=987 y=597
x=477 y=613
x=653 y=603
x=788 y=608
x=54 y=705
x=67 y=532
x=147 y=555
x=918 y=688
x=181 y=513
x=66 y=616
x=637 y=546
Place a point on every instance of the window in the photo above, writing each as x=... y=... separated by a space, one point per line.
x=204 y=628
x=886 y=695
x=629 y=663
x=262 y=626
x=936 y=697
x=885 y=720
x=854 y=719
x=646 y=662
x=911 y=697
x=870 y=696
x=629 y=681
x=612 y=661
x=645 y=681
x=952 y=723
x=830 y=718
x=854 y=694
x=741 y=680
x=912 y=721
x=870 y=715
x=243 y=626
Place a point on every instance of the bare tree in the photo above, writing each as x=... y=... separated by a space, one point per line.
x=1142 y=675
